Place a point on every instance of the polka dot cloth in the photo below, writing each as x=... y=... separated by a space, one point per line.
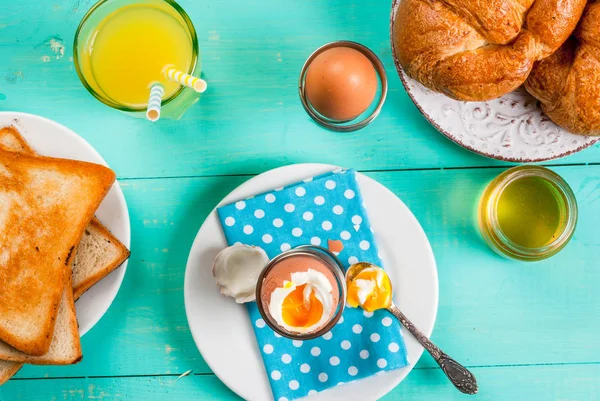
x=312 y=212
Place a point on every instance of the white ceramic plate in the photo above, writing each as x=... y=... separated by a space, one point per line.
x=222 y=329
x=512 y=128
x=49 y=138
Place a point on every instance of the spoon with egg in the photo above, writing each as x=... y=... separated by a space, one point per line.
x=369 y=287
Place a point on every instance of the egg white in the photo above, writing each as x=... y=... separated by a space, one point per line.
x=315 y=282
x=366 y=288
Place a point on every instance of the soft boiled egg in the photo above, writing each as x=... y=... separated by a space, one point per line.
x=304 y=303
x=370 y=289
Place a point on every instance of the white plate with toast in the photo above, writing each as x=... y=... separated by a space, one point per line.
x=48 y=138
x=223 y=332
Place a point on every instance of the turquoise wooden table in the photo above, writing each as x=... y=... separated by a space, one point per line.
x=528 y=331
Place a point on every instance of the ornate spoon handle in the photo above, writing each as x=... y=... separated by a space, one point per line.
x=462 y=379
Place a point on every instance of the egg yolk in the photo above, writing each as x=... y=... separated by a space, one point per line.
x=296 y=312
x=379 y=295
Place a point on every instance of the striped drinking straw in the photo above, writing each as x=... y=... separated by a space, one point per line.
x=156 y=93
x=172 y=73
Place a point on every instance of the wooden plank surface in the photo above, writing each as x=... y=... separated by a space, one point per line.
x=529 y=331
x=250 y=119
x=515 y=383
x=492 y=311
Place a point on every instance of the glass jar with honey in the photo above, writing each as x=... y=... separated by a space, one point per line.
x=528 y=213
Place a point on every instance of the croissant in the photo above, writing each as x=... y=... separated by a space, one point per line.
x=479 y=49
x=567 y=84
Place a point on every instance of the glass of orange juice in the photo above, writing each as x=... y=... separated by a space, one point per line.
x=123 y=47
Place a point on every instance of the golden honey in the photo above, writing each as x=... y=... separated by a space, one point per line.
x=528 y=213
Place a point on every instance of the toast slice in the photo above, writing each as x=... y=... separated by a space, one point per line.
x=65 y=348
x=8 y=369
x=102 y=253
x=47 y=204
x=88 y=269
x=11 y=140
x=99 y=252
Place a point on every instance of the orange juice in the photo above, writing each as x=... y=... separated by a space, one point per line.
x=131 y=47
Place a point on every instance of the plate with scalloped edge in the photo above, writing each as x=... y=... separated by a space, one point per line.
x=222 y=329
x=50 y=138
x=512 y=128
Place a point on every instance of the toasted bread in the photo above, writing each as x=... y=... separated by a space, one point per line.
x=11 y=140
x=99 y=252
x=88 y=269
x=65 y=348
x=8 y=369
x=48 y=202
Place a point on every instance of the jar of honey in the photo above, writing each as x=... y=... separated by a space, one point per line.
x=528 y=213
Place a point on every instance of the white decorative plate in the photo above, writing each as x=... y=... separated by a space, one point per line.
x=223 y=332
x=49 y=138
x=512 y=128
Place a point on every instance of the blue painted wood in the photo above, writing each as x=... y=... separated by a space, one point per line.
x=529 y=331
x=493 y=312
x=559 y=383
x=250 y=119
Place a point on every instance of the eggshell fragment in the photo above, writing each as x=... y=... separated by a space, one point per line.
x=236 y=270
x=335 y=245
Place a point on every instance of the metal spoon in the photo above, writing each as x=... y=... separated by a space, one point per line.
x=462 y=379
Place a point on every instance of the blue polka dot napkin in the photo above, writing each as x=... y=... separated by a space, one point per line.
x=328 y=207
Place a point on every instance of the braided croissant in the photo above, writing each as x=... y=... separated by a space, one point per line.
x=479 y=49
x=568 y=83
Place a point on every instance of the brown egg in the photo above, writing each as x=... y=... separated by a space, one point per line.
x=341 y=83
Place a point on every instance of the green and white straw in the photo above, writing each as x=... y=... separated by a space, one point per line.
x=156 y=93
